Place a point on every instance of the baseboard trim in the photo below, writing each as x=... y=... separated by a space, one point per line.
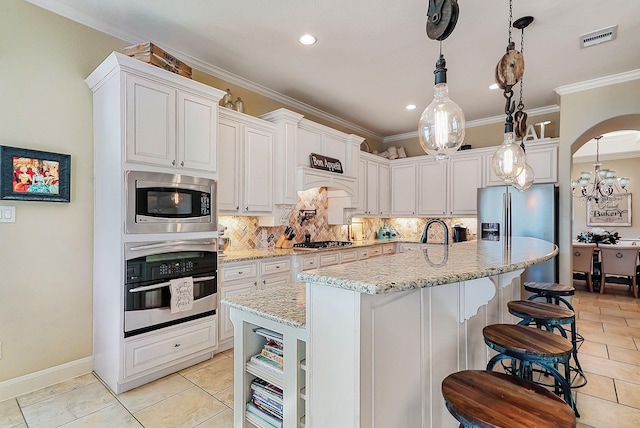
x=43 y=378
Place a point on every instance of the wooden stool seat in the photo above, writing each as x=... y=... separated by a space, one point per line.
x=551 y=292
x=540 y=311
x=531 y=347
x=478 y=398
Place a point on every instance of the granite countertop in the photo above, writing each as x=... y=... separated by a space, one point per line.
x=264 y=253
x=436 y=265
x=286 y=305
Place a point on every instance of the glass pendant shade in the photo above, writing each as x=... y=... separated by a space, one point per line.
x=508 y=161
x=524 y=180
x=441 y=127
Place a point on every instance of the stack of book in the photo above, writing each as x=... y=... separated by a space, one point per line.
x=266 y=402
x=270 y=357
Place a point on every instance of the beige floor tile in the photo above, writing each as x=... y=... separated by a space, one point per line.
x=628 y=393
x=57 y=389
x=109 y=417
x=216 y=357
x=624 y=355
x=229 y=353
x=214 y=377
x=226 y=396
x=64 y=408
x=597 y=317
x=221 y=420
x=185 y=410
x=611 y=303
x=610 y=368
x=10 y=414
x=608 y=338
x=593 y=348
x=599 y=386
x=620 y=313
x=600 y=413
x=621 y=330
x=587 y=307
x=594 y=326
x=154 y=392
x=579 y=425
x=632 y=305
x=633 y=322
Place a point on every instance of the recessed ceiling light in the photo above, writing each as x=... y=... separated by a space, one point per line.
x=307 y=39
x=410 y=107
x=494 y=86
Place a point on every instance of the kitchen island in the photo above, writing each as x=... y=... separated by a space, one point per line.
x=380 y=335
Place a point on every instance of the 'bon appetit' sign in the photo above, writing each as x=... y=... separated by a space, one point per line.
x=325 y=163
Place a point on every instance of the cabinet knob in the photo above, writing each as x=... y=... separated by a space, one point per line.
x=177 y=345
x=246 y=209
x=237 y=207
x=182 y=163
x=239 y=272
x=173 y=162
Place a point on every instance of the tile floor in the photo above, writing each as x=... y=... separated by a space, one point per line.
x=202 y=396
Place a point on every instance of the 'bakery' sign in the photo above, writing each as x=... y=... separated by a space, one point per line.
x=325 y=163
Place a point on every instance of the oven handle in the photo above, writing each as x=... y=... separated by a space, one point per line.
x=169 y=244
x=166 y=284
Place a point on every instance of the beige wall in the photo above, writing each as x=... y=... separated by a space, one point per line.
x=485 y=135
x=583 y=116
x=623 y=168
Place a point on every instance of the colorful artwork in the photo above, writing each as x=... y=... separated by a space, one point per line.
x=34 y=175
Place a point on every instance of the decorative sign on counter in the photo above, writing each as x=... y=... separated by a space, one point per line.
x=325 y=163
x=615 y=211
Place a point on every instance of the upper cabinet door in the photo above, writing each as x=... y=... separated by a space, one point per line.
x=258 y=170
x=466 y=179
x=384 y=190
x=432 y=188
x=197 y=118
x=403 y=190
x=151 y=121
x=229 y=172
x=373 y=190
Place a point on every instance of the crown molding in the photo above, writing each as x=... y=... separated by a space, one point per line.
x=598 y=83
x=478 y=122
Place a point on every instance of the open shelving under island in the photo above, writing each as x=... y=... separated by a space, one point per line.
x=369 y=343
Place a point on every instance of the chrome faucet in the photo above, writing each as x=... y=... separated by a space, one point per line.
x=425 y=234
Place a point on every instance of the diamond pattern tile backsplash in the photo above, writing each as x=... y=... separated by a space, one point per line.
x=245 y=232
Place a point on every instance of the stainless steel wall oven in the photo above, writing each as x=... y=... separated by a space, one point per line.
x=149 y=269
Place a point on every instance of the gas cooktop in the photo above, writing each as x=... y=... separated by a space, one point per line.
x=322 y=244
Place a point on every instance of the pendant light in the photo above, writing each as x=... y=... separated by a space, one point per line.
x=441 y=126
x=525 y=179
x=509 y=160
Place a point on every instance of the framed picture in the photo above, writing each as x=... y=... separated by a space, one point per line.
x=615 y=211
x=33 y=175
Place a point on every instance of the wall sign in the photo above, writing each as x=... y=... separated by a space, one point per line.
x=616 y=211
x=325 y=163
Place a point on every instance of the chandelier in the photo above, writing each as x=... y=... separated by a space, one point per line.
x=441 y=126
x=604 y=184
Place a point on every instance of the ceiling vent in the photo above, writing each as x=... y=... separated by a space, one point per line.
x=599 y=36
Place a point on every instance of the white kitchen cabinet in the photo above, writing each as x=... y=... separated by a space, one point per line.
x=245 y=184
x=403 y=189
x=465 y=178
x=170 y=127
x=235 y=279
x=275 y=272
x=432 y=188
x=542 y=156
x=374 y=184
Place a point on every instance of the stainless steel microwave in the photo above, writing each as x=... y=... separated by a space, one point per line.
x=158 y=202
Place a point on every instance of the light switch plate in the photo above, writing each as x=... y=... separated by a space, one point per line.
x=7 y=214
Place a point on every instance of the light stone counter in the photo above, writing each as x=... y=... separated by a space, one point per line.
x=284 y=305
x=436 y=265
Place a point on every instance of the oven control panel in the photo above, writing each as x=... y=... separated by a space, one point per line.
x=176 y=267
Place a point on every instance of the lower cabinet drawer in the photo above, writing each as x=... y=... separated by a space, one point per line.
x=277 y=266
x=329 y=259
x=347 y=256
x=244 y=271
x=375 y=251
x=157 y=349
x=389 y=249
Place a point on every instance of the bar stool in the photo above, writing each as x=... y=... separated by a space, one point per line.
x=553 y=293
x=551 y=317
x=527 y=347
x=478 y=398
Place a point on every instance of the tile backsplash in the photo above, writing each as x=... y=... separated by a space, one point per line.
x=245 y=232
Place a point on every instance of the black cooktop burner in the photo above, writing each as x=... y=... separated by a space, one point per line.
x=323 y=244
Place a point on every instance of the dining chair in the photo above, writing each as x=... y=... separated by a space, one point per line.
x=583 y=260
x=621 y=261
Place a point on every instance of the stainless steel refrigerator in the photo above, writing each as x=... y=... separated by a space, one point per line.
x=503 y=211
